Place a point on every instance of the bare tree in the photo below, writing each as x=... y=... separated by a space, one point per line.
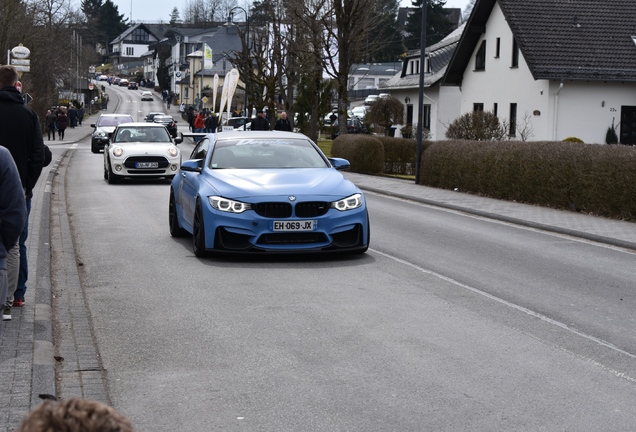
x=351 y=25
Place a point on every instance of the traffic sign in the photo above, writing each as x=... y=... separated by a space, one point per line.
x=27 y=98
x=91 y=86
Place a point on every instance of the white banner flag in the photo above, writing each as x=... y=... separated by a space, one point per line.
x=224 y=95
x=207 y=57
x=215 y=88
x=233 y=78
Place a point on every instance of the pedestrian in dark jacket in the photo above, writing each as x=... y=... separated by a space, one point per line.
x=260 y=122
x=21 y=133
x=50 y=119
x=62 y=123
x=283 y=123
x=72 y=117
x=13 y=215
x=80 y=114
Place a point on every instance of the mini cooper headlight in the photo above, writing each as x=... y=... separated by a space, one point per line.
x=118 y=151
x=228 y=205
x=173 y=152
x=349 y=203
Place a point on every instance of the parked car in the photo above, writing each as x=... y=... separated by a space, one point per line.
x=240 y=123
x=141 y=150
x=103 y=78
x=132 y=85
x=104 y=127
x=146 y=95
x=370 y=99
x=169 y=122
x=116 y=80
x=359 y=111
x=354 y=125
x=266 y=191
x=151 y=115
x=123 y=82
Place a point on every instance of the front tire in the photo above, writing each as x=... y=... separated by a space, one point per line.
x=173 y=219
x=112 y=178
x=198 y=233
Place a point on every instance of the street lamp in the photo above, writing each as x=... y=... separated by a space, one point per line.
x=247 y=50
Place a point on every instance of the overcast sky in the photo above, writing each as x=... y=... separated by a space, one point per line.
x=154 y=11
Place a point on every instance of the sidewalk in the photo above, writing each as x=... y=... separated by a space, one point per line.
x=27 y=363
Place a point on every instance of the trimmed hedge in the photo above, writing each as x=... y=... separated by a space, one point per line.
x=589 y=178
x=365 y=153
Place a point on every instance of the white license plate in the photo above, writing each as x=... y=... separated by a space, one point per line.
x=306 y=225
x=147 y=165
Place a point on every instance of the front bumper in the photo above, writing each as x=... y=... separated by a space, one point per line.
x=250 y=232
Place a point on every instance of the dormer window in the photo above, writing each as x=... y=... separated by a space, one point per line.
x=480 y=58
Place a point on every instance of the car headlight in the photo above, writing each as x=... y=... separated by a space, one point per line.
x=118 y=151
x=100 y=134
x=349 y=203
x=173 y=152
x=228 y=205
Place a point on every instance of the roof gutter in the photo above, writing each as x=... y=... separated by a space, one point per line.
x=556 y=111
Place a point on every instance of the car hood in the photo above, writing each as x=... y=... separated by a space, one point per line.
x=245 y=183
x=143 y=148
x=107 y=129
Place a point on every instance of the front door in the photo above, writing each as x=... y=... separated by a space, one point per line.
x=628 y=125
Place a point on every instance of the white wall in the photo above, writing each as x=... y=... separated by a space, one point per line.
x=580 y=111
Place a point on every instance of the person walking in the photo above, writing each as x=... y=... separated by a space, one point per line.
x=21 y=133
x=62 y=123
x=81 y=113
x=50 y=120
x=72 y=116
x=13 y=216
x=260 y=122
x=283 y=123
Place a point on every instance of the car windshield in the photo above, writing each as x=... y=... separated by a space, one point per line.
x=142 y=134
x=113 y=121
x=266 y=153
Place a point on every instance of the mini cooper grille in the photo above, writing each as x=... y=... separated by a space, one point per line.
x=311 y=209
x=131 y=161
x=273 y=209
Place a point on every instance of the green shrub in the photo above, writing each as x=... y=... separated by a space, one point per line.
x=610 y=135
x=365 y=153
x=590 y=178
x=477 y=126
x=573 y=140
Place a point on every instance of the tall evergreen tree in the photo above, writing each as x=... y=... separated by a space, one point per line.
x=110 y=23
x=91 y=8
x=438 y=26
x=174 y=16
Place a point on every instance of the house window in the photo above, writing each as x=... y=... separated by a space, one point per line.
x=139 y=35
x=495 y=108
x=426 y=118
x=480 y=58
x=130 y=51
x=427 y=64
x=478 y=107
x=515 y=53
x=513 y=120
x=497 y=47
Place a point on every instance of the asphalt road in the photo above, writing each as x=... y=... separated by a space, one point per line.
x=450 y=322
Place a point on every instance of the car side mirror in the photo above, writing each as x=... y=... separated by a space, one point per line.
x=93 y=125
x=340 y=164
x=193 y=165
x=178 y=140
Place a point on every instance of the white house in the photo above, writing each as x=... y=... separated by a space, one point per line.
x=549 y=69
x=441 y=104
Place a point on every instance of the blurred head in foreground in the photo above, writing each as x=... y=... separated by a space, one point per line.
x=75 y=415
